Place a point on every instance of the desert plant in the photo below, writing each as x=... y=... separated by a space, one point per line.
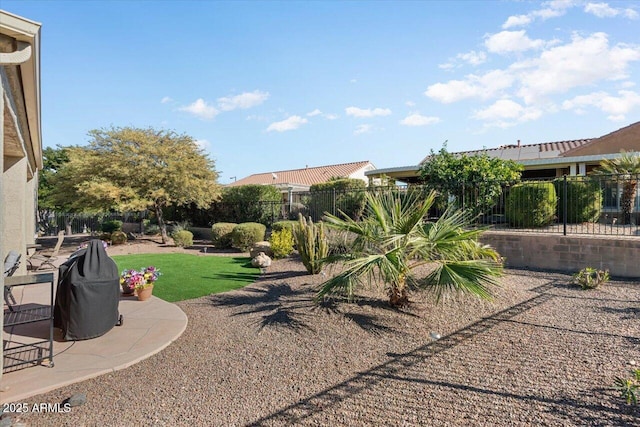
x=281 y=243
x=111 y=226
x=627 y=167
x=281 y=225
x=531 y=204
x=311 y=243
x=591 y=278
x=182 y=238
x=245 y=235
x=118 y=238
x=393 y=239
x=221 y=234
x=628 y=387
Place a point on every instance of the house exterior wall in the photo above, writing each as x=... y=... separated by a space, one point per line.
x=567 y=253
x=360 y=174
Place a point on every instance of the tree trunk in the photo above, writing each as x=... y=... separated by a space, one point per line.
x=398 y=296
x=161 y=224
x=628 y=197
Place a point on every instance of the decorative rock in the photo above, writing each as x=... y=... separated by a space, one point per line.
x=261 y=247
x=262 y=261
x=77 y=400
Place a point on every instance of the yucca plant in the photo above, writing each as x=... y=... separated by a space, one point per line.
x=311 y=243
x=394 y=238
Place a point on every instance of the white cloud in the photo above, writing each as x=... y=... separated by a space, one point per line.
x=359 y=112
x=290 y=123
x=417 y=119
x=583 y=61
x=517 y=21
x=410 y=104
x=485 y=86
x=202 y=144
x=166 y=99
x=603 y=10
x=616 y=106
x=360 y=129
x=447 y=66
x=473 y=57
x=313 y=113
x=511 y=41
x=551 y=9
x=243 y=101
x=505 y=112
x=331 y=116
x=200 y=109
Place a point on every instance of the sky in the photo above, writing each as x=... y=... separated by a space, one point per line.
x=270 y=86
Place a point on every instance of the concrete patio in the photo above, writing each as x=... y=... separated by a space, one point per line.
x=148 y=328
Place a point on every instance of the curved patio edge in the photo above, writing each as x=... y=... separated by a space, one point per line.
x=148 y=328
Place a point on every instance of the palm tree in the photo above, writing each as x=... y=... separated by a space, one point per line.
x=627 y=167
x=393 y=239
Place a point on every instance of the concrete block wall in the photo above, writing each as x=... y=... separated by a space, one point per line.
x=619 y=255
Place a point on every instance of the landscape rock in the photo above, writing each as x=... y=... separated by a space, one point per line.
x=261 y=261
x=264 y=247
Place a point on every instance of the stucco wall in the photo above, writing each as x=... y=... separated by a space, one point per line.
x=14 y=210
x=621 y=256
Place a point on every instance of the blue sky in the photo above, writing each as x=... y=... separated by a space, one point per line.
x=268 y=86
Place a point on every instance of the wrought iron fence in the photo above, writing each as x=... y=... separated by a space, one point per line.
x=51 y=222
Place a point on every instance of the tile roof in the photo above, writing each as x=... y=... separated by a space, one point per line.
x=307 y=176
x=544 y=150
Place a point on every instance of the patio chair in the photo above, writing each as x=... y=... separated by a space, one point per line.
x=47 y=256
x=11 y=264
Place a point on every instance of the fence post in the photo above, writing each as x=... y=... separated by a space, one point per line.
x=564 y=207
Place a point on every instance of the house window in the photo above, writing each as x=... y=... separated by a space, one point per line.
x=613 y=193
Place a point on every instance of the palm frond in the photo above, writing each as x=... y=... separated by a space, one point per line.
x=472 y=277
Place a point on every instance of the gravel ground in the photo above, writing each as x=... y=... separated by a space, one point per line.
x=542 y=353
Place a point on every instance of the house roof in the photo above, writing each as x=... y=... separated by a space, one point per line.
x=307 y=176
x=520 y=152
x=626 y=138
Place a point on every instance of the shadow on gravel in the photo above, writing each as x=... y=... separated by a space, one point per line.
x=628 y=313
x=404 y=372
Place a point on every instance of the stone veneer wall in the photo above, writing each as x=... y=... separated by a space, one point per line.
x=619 y=255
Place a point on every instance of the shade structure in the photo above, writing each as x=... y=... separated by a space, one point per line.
x=88 y=294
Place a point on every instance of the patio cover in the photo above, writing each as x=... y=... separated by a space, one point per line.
x=88 y=294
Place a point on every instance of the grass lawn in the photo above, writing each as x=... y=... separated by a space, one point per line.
x=186 y=276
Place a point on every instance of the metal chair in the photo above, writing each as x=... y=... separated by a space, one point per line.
x=11 y=264
x=47 y=256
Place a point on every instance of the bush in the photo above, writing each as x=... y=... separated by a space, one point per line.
x=591 y=278
x=111 y=226
x=248 y=203
x=311 y=243
x=283 y=225
x=281 y=243
x=531 y=204
x=221 y=234
x=182 y=238
x=584 y=200
x=348 y=194
x=245 y=235
x=151 y=230
x=118 y=238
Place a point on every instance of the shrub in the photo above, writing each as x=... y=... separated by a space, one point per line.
x=283 y=225
x=221 y=234
x=118 y=238
x=628 y=387
x=311 y=243
x=531 y=204
x=345 y=195
x=182 y=238
x=584 y=200
x=245 y=235
x=591 y=278
x=281 y=243
x=248 y=203
x=152 y=229
x=111 y=226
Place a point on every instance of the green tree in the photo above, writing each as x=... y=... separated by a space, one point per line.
x=248 y=203
x=627 y=167
x=476 y=179
x=53 y=159
x=393 y=239
x=128 y=168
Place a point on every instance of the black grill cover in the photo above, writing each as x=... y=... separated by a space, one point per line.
x=88 y=294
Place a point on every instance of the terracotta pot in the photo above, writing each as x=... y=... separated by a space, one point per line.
x=145 y=294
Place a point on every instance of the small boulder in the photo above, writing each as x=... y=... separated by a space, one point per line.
x=264 y=247
x=261 y=261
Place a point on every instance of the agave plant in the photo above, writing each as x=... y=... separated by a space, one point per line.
x=394 y=238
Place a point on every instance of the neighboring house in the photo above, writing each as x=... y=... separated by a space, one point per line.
x=20 y=132
x=547 y=159
x=300 y=180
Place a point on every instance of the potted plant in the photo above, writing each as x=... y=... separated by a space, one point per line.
x=139 y=281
